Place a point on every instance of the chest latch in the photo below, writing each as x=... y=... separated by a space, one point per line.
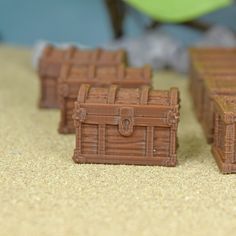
x=126 y=121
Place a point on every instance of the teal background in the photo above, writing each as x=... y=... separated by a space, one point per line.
x=83 y=21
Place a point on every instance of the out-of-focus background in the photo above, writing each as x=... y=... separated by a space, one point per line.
x=85 y=21
x=172 y=25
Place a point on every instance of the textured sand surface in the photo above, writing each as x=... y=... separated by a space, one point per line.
x=42 y=192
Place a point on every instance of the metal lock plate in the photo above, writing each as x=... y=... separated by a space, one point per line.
x=126 y=121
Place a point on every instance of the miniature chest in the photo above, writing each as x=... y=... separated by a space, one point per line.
x=72 y=77
x=223 y=148
x=126 y=125
x=213 y=86
x=53 y=58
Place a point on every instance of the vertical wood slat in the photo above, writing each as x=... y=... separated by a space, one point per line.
x=150 y=130
x=216 y=131
x=83 y=91
x=112 y=94
x=101 y=139
x=172 y=142
x=149 y=141
x=144 y=95
x=79 y=139
x=229 y=143
x=234 y=145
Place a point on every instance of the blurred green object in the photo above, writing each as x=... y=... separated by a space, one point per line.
x=177 y=10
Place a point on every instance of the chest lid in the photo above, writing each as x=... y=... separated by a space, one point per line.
x=212 y=53
x=96 y=56
x=205 y=71
x=127 y=107
x=118 y=74
x=53 y=58
x=144 y=101
x=118 y=95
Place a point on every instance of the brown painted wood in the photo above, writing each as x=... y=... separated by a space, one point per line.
x=224 y=143
x=222 y=73
x=72 y=77
x=205 y=62
x=214 y=86
x=112 y=129
x=53 y=58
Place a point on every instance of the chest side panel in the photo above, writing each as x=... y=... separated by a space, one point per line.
x=51 y=61
x=49 y=89
x=69 y=108
x=221 y=135
x=115 y=144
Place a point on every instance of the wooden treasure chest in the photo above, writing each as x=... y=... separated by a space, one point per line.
x=117 y=125
x=214 y=86
x=72 y=77
x=223 y=148
x=53 y=58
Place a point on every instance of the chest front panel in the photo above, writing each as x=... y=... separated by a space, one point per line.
x=126 y=126
x=107 y=140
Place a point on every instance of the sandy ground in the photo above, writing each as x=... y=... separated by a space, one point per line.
x=42 y=192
